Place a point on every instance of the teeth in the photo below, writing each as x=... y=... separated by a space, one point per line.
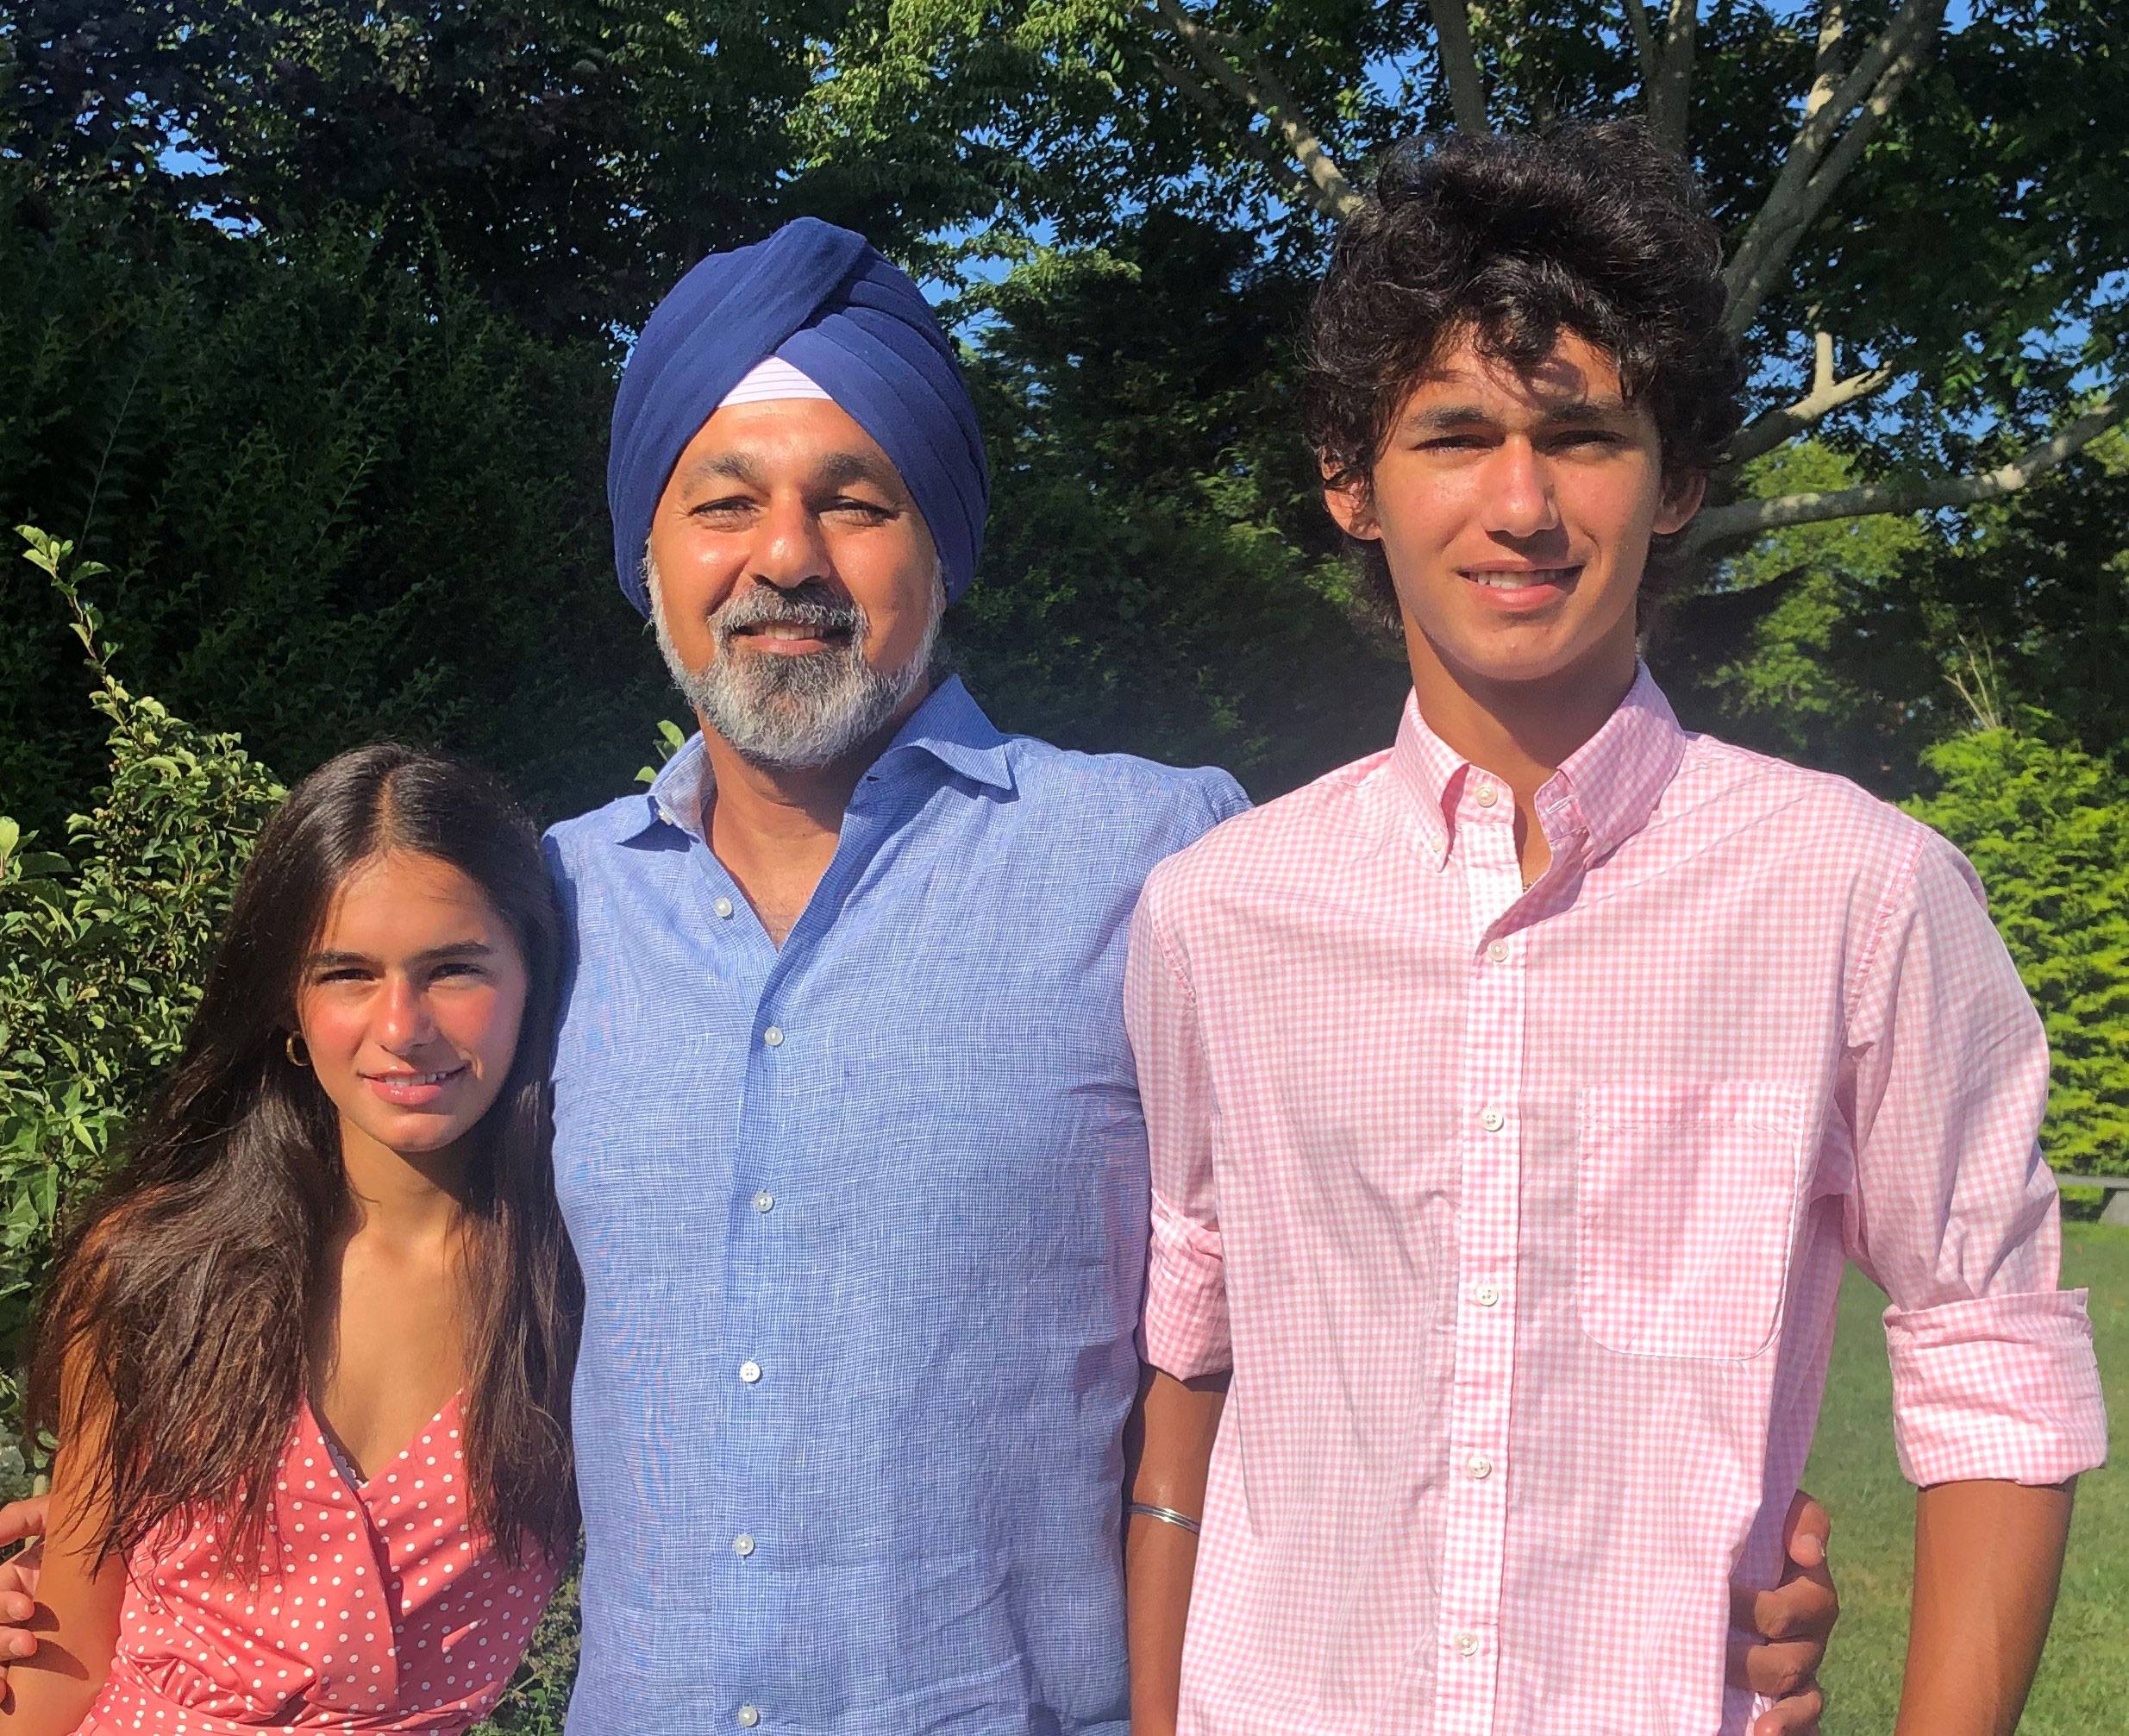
x=1517 y=581
x=417 y=1078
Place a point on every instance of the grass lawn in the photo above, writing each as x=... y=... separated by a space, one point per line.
x=2086 y=1671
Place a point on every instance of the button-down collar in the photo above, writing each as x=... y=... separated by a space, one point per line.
x=1605 y=792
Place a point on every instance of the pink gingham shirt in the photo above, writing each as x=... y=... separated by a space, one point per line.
x=1520 y=1217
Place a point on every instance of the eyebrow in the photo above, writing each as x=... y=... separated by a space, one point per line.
x=834 y=470
x=1441 y=417
x=730 y=467
x=456 y=950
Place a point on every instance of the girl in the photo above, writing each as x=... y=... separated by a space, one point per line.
x=307 y=1358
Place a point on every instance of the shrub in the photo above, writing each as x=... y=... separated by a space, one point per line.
x=103 y=946
x=2047 y=827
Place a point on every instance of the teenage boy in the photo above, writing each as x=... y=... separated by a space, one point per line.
x=1516 y=1095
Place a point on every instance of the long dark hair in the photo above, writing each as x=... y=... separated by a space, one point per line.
x=179 y=1306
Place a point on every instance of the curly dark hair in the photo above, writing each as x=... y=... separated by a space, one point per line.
x=1592 y=227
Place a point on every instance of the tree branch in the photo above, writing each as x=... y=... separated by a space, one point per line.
x=1826 y=395
x=1825 y=148
x=1293 y=186
x=1669 y=95
x=1826 y=65
x=1746 y=519
x=1459 y=65
x=1325 y=186
x=1644 y=42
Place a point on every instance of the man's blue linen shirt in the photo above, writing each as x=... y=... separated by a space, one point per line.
x=862 y=1224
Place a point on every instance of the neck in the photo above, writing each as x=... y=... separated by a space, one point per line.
x=775 y=828
x=1521 y=732
x=404 y=1196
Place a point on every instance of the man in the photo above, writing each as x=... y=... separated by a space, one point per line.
x=1515 y=1094
x=846 y=1127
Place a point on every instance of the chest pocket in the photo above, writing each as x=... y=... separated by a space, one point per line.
x=1686 y=1199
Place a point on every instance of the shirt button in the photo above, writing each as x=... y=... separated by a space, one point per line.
x=1496 y=951
x=1479 y=1466
x=742 y=1546
x=764 y=1202
x=749 y=1716
x=1488 y=795
x=750 y=1372
x=772 y=1036
x=1493 y=1120
x=723 y=907
x=1466 y=1644
x=1485 y=1295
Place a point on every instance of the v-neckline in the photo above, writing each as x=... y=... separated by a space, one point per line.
x=344 y=1461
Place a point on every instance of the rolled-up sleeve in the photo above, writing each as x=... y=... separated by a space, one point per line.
x=1954 y=1213
x=1184 y=1328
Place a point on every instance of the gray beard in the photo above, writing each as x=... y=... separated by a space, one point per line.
x=785 y=712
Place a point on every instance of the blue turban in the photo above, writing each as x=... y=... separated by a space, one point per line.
x=825 y=301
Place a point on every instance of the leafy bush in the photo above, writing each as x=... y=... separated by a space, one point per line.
x=2047 y=827
x=103 y=947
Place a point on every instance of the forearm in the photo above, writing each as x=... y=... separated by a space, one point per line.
x=78 y=1592
x=1168 y=1451
x=50 y=1694
x=1987 y=1559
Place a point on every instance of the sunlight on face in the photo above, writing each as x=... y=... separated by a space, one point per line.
x=795 y=588
x=1516 y=511
x=410 y=1003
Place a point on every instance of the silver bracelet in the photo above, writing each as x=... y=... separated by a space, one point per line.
x=1167 y=1515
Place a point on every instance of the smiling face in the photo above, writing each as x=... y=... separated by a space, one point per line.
x=1515 y=513
x=410 y=1002
x=795 y=588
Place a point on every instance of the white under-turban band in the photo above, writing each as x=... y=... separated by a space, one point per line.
x=770 y=380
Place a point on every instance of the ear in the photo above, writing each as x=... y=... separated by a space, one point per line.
x=1682 y=499
x=1351 y=504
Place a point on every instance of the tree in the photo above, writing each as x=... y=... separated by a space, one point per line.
x=1842 y=143
x=570 y=157
x=1166 y=581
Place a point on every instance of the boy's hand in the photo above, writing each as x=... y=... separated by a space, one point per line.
x=18 y=1581
x=1794 y=1620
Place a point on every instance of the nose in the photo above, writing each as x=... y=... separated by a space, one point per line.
x=404 y=1022
x=791 y=548
x=1518 y=500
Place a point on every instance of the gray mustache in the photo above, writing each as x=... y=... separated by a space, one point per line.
x=763 y=603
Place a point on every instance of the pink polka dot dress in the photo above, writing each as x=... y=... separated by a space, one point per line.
x=380 y=1609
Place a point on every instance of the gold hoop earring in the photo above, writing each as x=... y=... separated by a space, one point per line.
x=289 y=1048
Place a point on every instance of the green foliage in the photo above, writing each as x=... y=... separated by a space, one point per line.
x=2047 y=828
x=571 y=156
x=2043 y=582
x=1833 y=656
x=341 y=500
x=102 y=947
x=536 y=1702
x=1161 y=577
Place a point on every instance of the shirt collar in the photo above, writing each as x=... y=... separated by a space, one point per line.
x=1607 y=788
x=949 y=726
